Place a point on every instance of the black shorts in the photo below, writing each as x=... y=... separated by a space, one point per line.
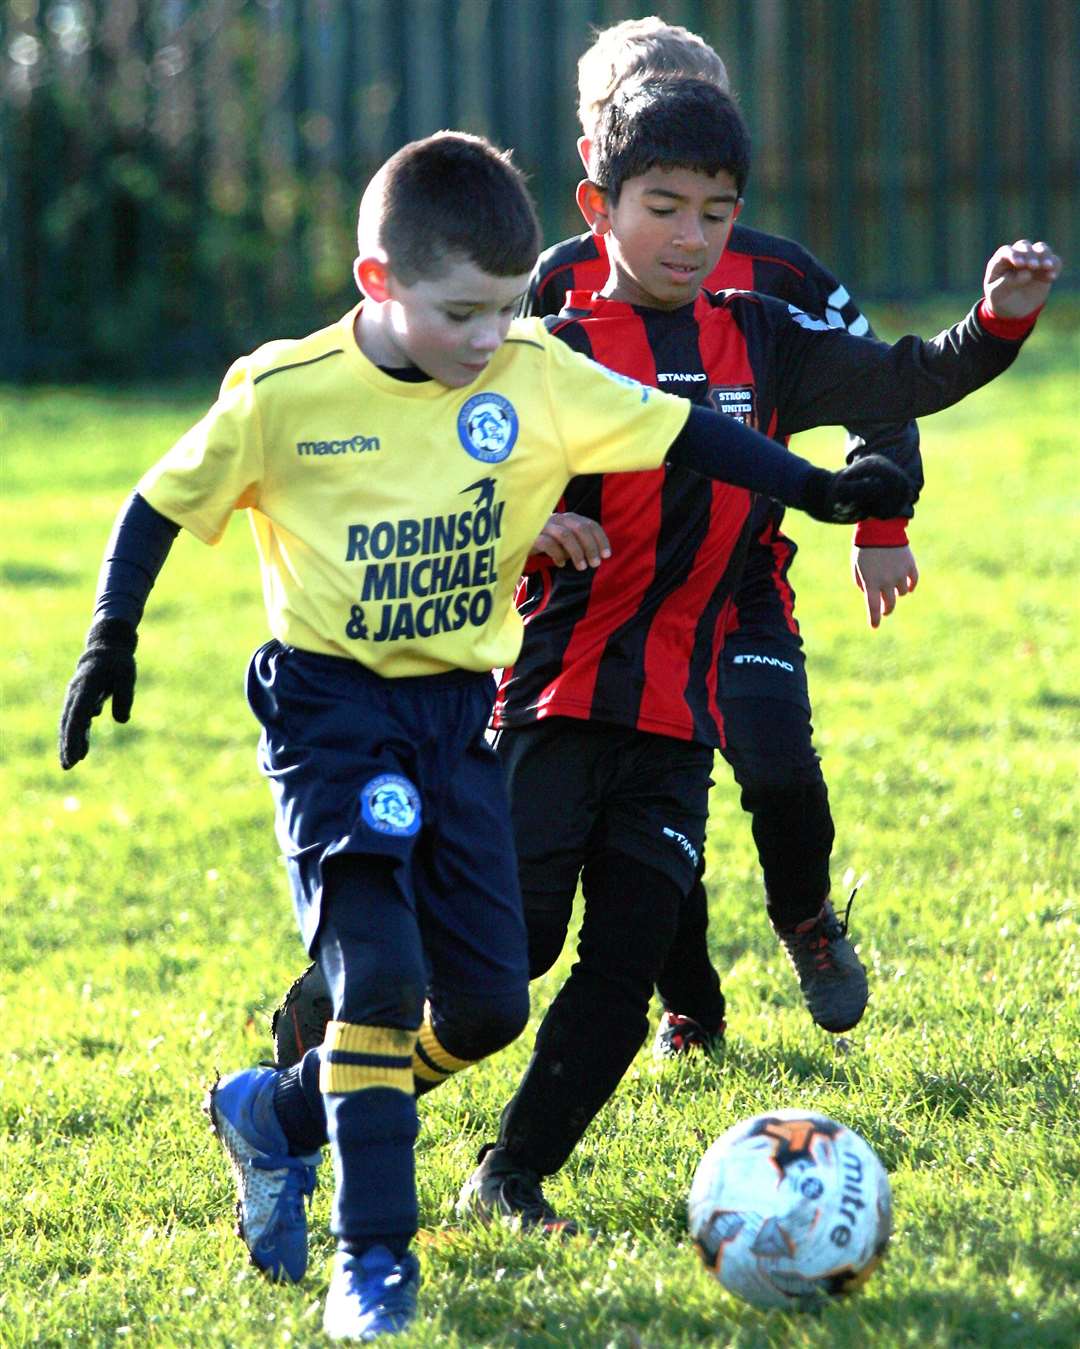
x=763 y=663
x=763 y=655
x=399 y=769
x=578 y=788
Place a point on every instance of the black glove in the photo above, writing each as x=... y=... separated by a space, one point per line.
x=870 y=488
x=106 y=669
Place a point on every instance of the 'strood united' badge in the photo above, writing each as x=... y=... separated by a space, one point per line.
x=488 y=427
x=391 y=805
x=736 y=400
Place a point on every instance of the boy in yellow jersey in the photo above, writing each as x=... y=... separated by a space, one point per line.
x=396 y=468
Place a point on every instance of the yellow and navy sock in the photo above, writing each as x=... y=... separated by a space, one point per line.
x=298 y=1097
x=432 y=1064
x=357 y=1058
x=366 y=1080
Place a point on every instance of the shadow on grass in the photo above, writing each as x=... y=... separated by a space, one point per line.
x=996 y=1250
x=1052 y=698
x=637 y=1316
x=30 y=574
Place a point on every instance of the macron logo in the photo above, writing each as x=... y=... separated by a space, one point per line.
x=682 y=377
x=355 y=444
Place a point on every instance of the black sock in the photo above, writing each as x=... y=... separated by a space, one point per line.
x=688 y=983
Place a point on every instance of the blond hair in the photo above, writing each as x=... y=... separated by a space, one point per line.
x=645 y=48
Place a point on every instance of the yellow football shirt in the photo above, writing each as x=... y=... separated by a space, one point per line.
x=393 y=519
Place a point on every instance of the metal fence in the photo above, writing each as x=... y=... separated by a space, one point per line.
x=179 y=177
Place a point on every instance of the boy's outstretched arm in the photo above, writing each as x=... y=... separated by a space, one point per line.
x=717 y=446
x=135 y=553
x=1016 y=283
x=826 y=375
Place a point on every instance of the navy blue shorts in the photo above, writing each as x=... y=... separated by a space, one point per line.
x=398 y=769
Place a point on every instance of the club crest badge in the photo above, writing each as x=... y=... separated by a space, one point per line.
x=391 y=805
x=735 y=400
x=488 y=427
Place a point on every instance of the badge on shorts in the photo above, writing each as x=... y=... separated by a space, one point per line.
x=391 y=805
x=488 y=427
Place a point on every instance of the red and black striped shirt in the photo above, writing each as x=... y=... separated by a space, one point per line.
x=771 y=265
x=635 y=642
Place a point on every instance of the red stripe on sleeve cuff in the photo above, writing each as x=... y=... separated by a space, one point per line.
x=1012 y=330
x=881 y=534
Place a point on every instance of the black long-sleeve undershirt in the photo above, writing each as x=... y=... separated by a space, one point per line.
x=717 y=446
x=136 y=552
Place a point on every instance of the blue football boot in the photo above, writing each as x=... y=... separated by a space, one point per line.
x=371 y=1295
x=271 y=1185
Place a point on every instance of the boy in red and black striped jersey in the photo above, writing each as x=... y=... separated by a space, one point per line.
x=762 y=686
x=609 y=717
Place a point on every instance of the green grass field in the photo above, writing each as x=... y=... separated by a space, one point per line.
x=147 y=934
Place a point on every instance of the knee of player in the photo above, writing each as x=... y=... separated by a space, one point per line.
x=780 y=785
x=498 y=1021
x=472 y=1028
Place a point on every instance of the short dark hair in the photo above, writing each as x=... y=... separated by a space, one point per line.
x=450 y=193
x=676 y=124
